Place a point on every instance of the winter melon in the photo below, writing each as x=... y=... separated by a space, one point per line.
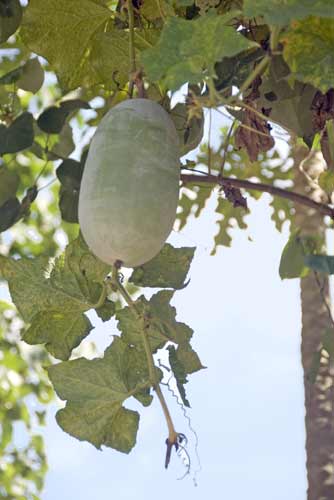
x=130 y=186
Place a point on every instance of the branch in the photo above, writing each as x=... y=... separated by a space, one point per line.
x=258 y=186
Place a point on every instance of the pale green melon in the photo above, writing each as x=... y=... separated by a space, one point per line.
x=130 y=186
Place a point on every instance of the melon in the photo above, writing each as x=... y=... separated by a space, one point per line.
x=130 y=185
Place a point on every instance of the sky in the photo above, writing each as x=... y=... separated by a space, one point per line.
x=247 y=406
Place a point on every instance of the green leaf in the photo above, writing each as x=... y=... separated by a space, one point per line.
x=9 y=182
x=190 y=131
x=69 y=173
x=9 y=213
x=150 y=11
x=326 y=181
x=168 y=269
x=158 y=319
x=71 y=28
x=328 y=342
x=32 y=76
x=292 y=264
x=188 y=50
x=290 y=106
x=309 y=51
x=10 y=18
x=18 y=136
x=95 y=390
x=60 y=331
x=53 y=119
x=183 y=361
x=64 y=145
x=106 y=311
x=44 y=288
x=115 y=69
x=320 y=263
x=277 y=12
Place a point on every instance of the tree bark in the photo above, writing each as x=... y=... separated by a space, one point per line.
x=319 y=396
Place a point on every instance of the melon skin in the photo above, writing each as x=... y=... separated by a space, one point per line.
x=130 y=186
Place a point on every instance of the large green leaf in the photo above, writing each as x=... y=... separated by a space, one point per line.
x=168 y=269
x=71 y=28
x=60 y=331
x=282 y=12
x=309 y=51
x=188 y=50
x=158 y=318
x=95 y=390
x=49 y=293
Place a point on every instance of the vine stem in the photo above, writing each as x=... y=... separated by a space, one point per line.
x=258 y=186
x=132 y=50
x=172 y=434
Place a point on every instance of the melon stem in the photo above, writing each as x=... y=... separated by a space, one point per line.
x=132 y=50
x=172 y=439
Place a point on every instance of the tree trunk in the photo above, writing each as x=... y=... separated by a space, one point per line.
x=319 y=396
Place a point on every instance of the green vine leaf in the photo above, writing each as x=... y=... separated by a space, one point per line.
x=276 y=13
x=18 y=136
x=159 y=321
x=292 y=264
x=69 y=286
x=309 y=51
x=188 y=50
x=183 y=361
x=95 y=390
x=69 y=25
x=60 y=331
x=168 y=269
x=10 y=18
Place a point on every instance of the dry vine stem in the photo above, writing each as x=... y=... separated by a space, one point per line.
x=258 y=186
x=173 y=436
